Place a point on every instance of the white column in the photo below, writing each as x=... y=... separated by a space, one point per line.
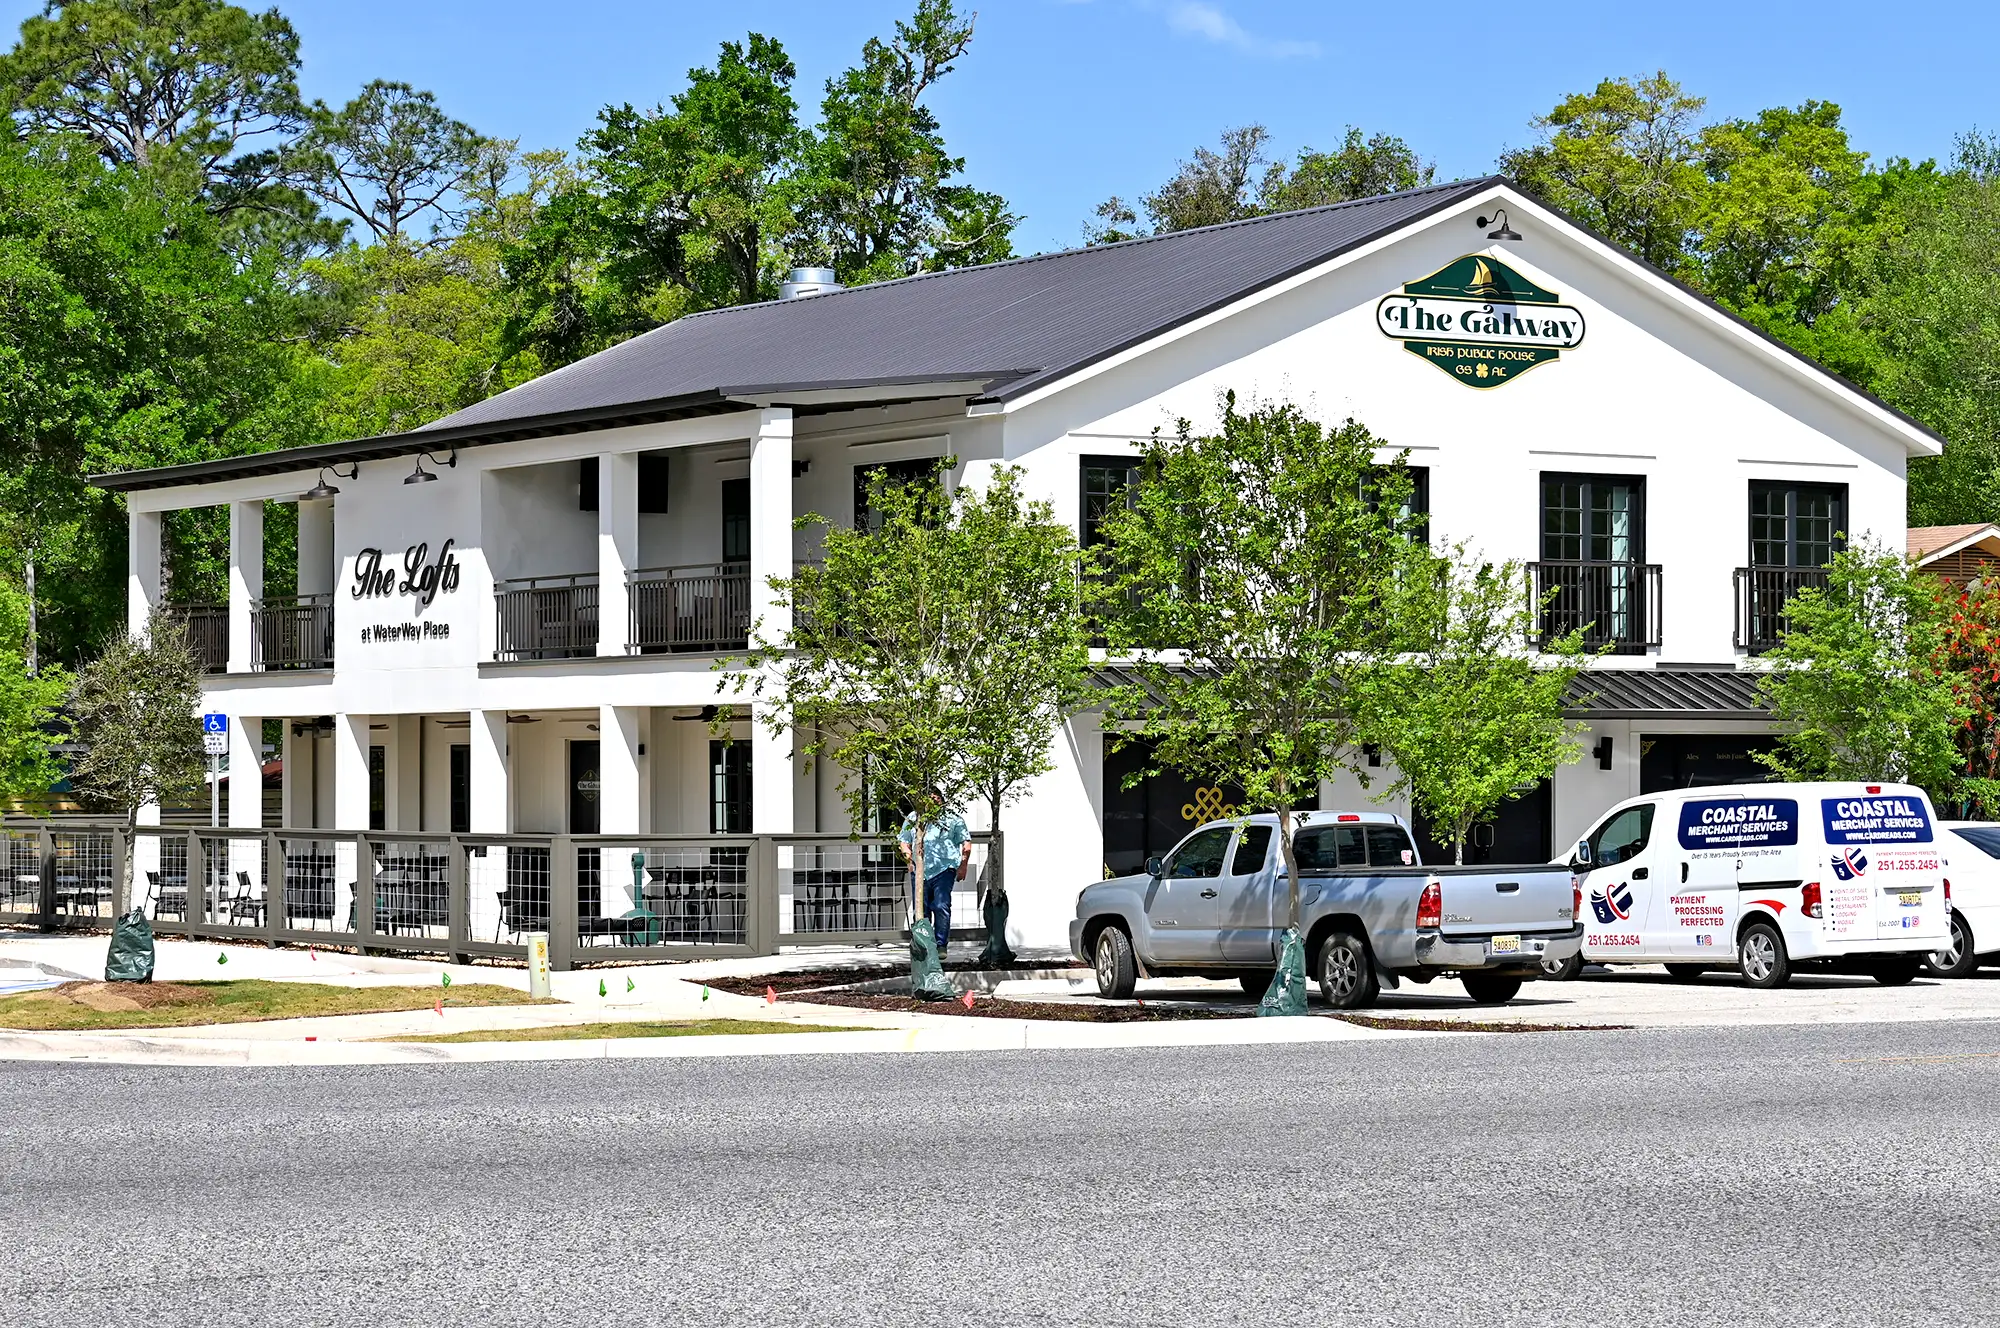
x=350 y=772
x=316 y=548
x=246 y=772
x=246 y=577
x=617 y=547
x=142 y=569
x=772 y=786
x=621 y=806
x=770 y=521
x=490 y=799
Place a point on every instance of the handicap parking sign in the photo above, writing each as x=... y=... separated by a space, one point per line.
x=215 y=723
x=215 y=734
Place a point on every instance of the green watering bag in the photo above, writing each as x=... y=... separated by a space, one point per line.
x=131 y=956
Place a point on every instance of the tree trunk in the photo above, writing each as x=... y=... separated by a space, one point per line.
x=1291 y=862
x=994 y=907
x=122 y=892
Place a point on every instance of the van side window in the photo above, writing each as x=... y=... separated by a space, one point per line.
x=1389 y=846
x=1251 y=848
x=1623 y=837
x=1201 y=856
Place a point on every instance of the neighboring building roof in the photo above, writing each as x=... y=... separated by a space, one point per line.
x=1929 y=543
x=996 y=332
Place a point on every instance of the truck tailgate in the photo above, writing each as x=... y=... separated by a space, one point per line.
x=1479 y=901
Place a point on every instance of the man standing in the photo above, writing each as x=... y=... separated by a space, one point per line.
x=947 y=850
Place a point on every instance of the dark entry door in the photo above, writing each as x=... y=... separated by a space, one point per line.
x=583 y=801
x=1698 y=760
x=1518 y=833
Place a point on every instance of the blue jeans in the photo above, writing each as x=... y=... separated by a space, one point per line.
x=937 y=905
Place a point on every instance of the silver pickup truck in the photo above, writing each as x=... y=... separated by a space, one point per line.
x=1371 y=912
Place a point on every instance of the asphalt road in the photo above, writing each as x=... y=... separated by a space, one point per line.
x=1805 y=1175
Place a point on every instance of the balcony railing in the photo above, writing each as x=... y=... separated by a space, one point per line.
x=207 y=627
x=698 y=608
x=1761 y=596
x=293 y=632
x=546 y=617
x=1613 y=604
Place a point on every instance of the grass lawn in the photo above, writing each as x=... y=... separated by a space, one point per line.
x=624 y=1029
x=89 y=1005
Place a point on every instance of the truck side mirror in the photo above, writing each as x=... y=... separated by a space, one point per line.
x=1154 y=867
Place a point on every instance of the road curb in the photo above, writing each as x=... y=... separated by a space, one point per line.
x=959 y=1035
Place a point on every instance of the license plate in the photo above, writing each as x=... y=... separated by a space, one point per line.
x=1911 y=899
x=1505 y=945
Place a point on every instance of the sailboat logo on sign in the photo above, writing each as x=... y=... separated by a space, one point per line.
x=1480 y=321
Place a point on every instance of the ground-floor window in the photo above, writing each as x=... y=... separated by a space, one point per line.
x=461 y=788
x=1148 y=819
x=378 y=788
x=1693 y=760
x=729 y=787
x=1519 y=831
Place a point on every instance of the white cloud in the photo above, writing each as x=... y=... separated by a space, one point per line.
x=1191 y=18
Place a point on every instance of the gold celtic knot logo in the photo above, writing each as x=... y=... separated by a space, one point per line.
x=1207 y=805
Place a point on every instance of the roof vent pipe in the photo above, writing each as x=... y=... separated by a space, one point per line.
x=808 y=281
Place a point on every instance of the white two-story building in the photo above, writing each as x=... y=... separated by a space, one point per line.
x=509 y=620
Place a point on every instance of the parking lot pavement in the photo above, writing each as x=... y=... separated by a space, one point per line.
x=1640 y=996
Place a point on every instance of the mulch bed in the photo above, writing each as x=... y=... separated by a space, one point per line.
x=1395 y=1022
x=987 y=1007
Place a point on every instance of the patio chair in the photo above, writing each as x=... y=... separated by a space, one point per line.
x=242 y=903
x=166 y=899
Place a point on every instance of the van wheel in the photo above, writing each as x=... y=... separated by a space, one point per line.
x=1490 y=988
x=1346 y=977
x=1958 y=958
x=1761 y=957
x=1686 y=972
x=1897 y=970
x=1562 y=970
x=1256 y=984
x=1117 y=969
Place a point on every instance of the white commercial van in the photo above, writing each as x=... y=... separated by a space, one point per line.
x=1767 y=877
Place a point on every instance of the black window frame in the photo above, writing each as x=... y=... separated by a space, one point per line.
x=1415 y=518
x=736 y=520
x=378 y=787
x=1587 y=481
x=909 y=470
x=458 y=787
x=729 y=787
x=1792 y=489
x=654 y=490
x=1101 y=466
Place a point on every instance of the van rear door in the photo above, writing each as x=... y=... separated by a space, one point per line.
x=1881 y=848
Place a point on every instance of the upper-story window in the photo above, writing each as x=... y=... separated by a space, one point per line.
x=916 y=469
x=1796 y=525
x=1104 y=483
x=736 y=521
x=652 y=483
x=1414 y=515
x=1593 y=577
x=1593 y=518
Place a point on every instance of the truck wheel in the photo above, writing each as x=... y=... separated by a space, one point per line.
x=1761 y=957
x=1686 y=972
x=1117 y=969
x=1957 y=959
x=1897 y=970
x=1490 y=988
x=1346 y=977
x=1562 y=970
x=1256 y=984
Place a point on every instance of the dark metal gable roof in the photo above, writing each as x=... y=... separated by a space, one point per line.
x=1045 y=316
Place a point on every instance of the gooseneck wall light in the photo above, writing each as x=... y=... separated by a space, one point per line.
x=323 y=490
x=1501 y=230
x=422 y=476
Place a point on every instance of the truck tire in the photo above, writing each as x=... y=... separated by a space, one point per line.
x=1686 y=972
x=1256 y=984
x=1490 y=988
x=1897 y=970
x=1563 y=970
x=1116 y=967
x=1346 y=975
x=1959 y=959
x=1761 y=957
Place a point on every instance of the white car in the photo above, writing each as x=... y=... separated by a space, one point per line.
x=1972 y=855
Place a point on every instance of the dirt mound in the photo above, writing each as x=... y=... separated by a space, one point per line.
x=128 y=995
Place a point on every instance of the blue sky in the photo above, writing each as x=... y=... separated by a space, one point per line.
x=1062 y=102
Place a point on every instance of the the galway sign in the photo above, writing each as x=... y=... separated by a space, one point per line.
x=1480 y=321
x=422 y=578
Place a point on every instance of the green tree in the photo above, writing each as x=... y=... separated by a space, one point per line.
x=875 y=194
x=1022 y=658
x=135 y=709
x=1362 y=167
x=388 y=157
x=1243 y=587
x=1466 y=711
x=1972 y=661
x=31 y=722
x=1860 y=680
x=1625 y=160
